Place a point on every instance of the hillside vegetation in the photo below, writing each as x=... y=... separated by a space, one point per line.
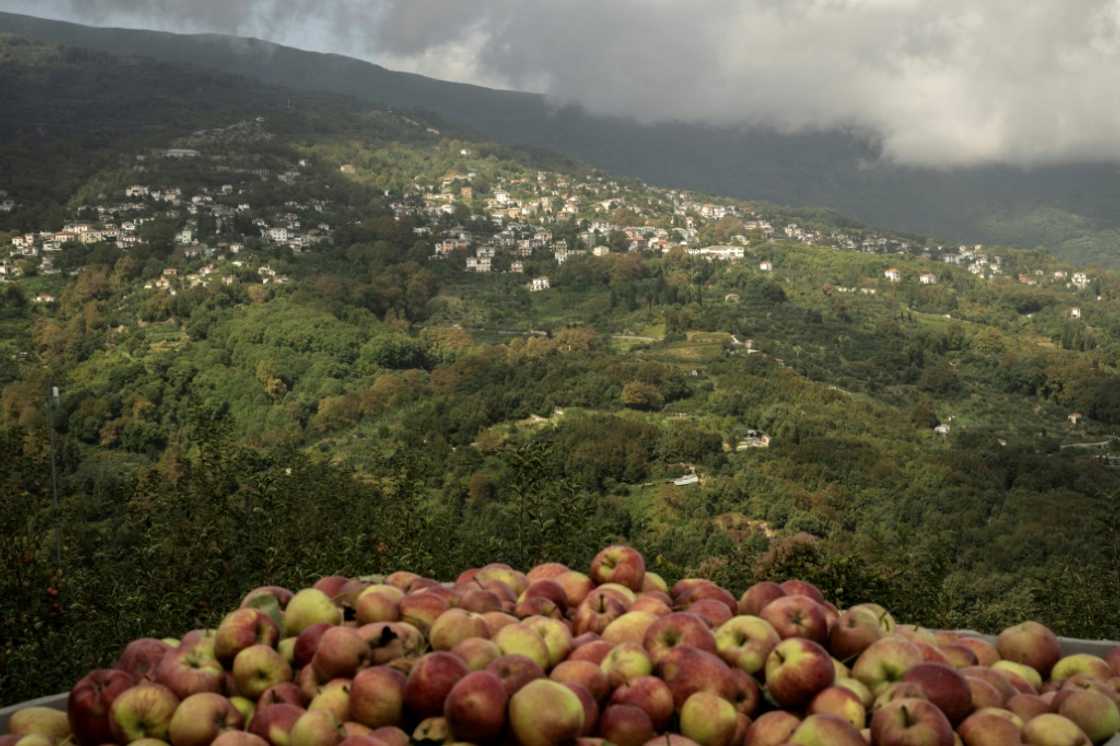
x=273 y=364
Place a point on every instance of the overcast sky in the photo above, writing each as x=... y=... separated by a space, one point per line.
x=942 y=82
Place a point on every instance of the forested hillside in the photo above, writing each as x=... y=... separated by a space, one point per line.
x=1069 y=211
x=295 y=335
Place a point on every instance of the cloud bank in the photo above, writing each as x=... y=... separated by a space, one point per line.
x=936 y=82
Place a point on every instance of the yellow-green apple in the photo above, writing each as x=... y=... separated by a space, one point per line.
x=245 y=706
x=200 y=718
x=309 y=606
x=855 y=630
x=708 y=719
x=503 y=573
x=334 y=696
x=626 y=725
x=515 y=671
x=772 y=728
x=429 y=682
x=987 y=728
x=477 y=652
x=353 y=730
x=840 y=702
x=243 y=628
x=341 y=652
x=630 y=627
x=615 y=590
x=257 y=668
x=886 y=661
x=798 y=669
x=745 y=642
x=286 y=692
x=378 y=603
x=687 y=670
x=1027 y=706
x=585 y=674
x=1051 y=729
x=911 y=722
x=943 y=686
x=281 y=595
x=87 y=707
x=202 y=639
x=576 y=586
x=377 y=697
x=307 y=642
x=826 y=730
x=674 y=630
x=455 y=625
x=1020 y=675
x=797 y=616
x=433 y=729
x=1072 y=665
x=43 y=721
x=649 y=693
x=274 y=723
x=1093 y=712
x=625 y=662
x=592 y=652
x=985 y=652
x=475 y=708
x=619 y=564
x=521 y=639
x=316 y=728
x=713 y=611
x=422 y=608
x=596 y=612
x=556 y=634
x=856 y=687
x=545 y=713
x=358 y=739
x=1031 y=644
x=238 y=738
x=287 y=648
x=897 y=690
x=142 y=657
x=142 y=711
x=190 y=671
x=758 y=596
x=654 y=582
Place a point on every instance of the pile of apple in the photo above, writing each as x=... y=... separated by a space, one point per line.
x=555 y=656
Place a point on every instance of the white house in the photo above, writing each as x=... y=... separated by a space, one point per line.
x=893 y=275
x=927 y=278
x=538 y=284
x=1080 y=280
x=766 y=266
x=1075 y=312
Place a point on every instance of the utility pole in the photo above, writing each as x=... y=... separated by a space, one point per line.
x=52 y=404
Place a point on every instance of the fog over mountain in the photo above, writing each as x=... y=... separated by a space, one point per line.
x=951 y=83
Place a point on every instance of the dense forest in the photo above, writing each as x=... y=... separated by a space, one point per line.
x=353 y=405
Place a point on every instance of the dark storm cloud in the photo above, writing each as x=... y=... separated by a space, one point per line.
x=941 y=82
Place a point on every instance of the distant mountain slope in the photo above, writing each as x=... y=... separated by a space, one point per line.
x=832 y=169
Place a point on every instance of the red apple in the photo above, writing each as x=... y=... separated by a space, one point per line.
x=826 y=730
x=378 y=603
x=584 y=673
x=200 y=718
x=475 y=708
x=142 y=657
x=673 y=630
x=797 y=616
x=619 y=564
x=238 y=738
x=87 y=707
x=772 y=729
x=1031 y=644
x=649 y=693
x=855 y=630
x=316 y=728
x=515 y=671
x=687 y=670
x=911 y=722
x=626 y=725
x=944 y=687
x=241 y=629
x=377 y=697
x=802 y=588
x=840 y=702
x=596 y=612
x=274 y=723
x=592 y=652
x=286 y=692
x=477 y=653
x=796 y=670
x=430 y=681
x=341 y=652
x=987 y=728
x=190 y=671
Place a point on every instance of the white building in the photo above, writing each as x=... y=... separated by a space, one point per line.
x=766 y=266
x=893 y=275
x=927 y=278
x=1080 y=280
x=538 y=284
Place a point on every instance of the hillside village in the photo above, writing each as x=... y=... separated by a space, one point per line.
x=234 y=212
